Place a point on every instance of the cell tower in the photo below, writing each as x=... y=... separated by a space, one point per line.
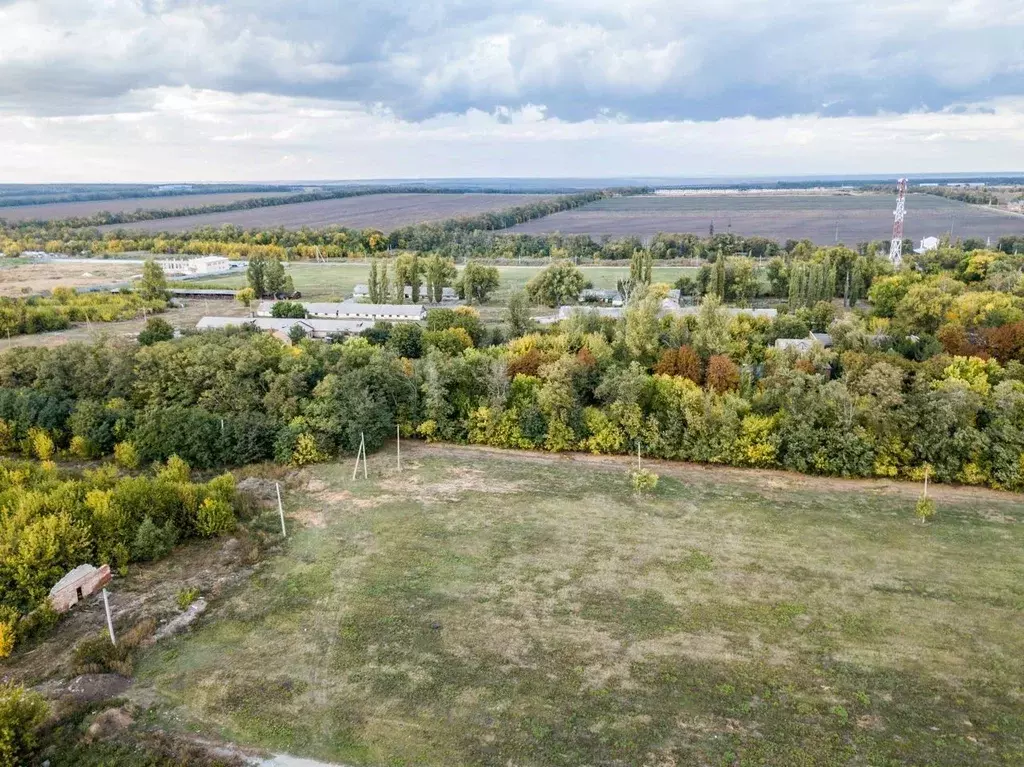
x=896 y=246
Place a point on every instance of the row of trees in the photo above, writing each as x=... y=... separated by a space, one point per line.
x=105 y=218
x=69 y=236
x=54 y=520
x=890 y=399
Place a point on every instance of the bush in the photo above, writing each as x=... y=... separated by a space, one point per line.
x=306 y=451
x=214 y=517
x=157 y=329
x=153 y=542
x=126 y=456
x=21 y=713
x=38 y=623
x=288 y=310
x=925 y=509
x=187 y=596
x=41 y=444
x=8 y=631
x=644 y=481
x=98 y=655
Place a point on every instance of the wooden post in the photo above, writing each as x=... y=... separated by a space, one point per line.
x=362 y=444
x=110 y=623
x=355 y=469
x=398 y=434
x=280 y=510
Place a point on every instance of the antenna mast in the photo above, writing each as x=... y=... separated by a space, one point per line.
x=896 y=246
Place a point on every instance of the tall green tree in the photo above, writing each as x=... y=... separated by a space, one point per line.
x=153 y=285
x=559 y=283
x=440 y=273
x=378 y=281
x=478 y=281
x=517 y=314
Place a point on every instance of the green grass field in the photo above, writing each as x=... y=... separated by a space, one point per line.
x=336 y=281
x=507 y=609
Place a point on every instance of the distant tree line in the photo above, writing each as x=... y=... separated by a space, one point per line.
x=12 y=195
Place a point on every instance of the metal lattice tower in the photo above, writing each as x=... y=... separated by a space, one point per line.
x=896 y=246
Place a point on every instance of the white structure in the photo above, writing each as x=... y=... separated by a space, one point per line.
x=202 y=265
x=598 y=296
x=804 y=345
x=896 y=244
x=315 y=328
x=350 y=310
x=928 y=243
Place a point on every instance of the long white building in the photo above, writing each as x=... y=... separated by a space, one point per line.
x=315 y=328
x=350 y=310
x=201 y=265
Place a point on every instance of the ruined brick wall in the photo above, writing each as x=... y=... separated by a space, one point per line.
x=68 y=596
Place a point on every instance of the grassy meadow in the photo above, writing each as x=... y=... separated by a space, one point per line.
x=485 y=608
x=332 y=282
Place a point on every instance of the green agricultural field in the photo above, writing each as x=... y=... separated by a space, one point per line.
x=336 y=281
x=487 y=608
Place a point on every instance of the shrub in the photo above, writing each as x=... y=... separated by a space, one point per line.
x=126 y=456
x=288 y=310
x=723 y=375
x=41 y=444
x=175 y=470
x=214 y=517
x=98 y=655
x=306 y=451
x=38 y=623
x=8 y=631
x=153 y=542
x=21 y=713
x=157 y=329
x=644 y=481
x=187 y=596
x=925 y=509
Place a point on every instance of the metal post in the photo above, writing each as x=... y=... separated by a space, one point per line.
x=638 y=455
x=110 y=623
x=398 y=434
x=280 y=509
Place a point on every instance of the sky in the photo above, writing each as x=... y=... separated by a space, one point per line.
x=250 y=90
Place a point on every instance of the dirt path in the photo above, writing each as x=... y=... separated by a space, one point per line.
x=769 y=478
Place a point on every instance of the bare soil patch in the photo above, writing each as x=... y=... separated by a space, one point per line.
x=858 y=217
x=55 y=210
x=21 y=279
x=377 y=211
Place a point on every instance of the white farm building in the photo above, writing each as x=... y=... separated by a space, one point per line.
x=189 y=266
x=350 y=310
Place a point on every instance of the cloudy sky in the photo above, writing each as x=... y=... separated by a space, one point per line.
x=159 y=90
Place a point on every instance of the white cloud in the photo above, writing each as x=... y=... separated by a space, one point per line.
x=185 y=134
x=246 y=89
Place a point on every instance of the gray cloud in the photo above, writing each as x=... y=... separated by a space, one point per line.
x=644 y=60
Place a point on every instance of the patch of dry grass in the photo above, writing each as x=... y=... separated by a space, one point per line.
x=485 y=609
